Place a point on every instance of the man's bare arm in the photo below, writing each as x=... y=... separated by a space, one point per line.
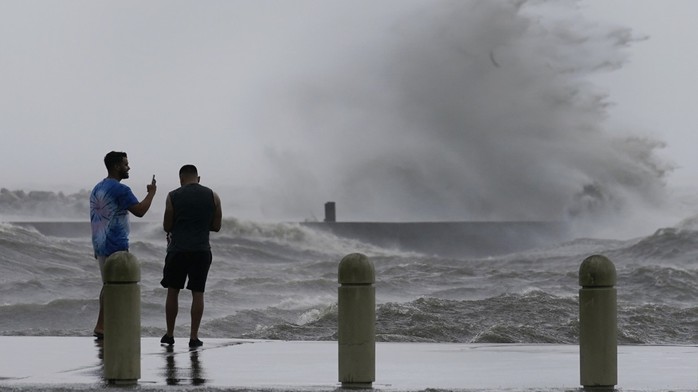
x=217 y=215
x=141 y=208
x=168 y=219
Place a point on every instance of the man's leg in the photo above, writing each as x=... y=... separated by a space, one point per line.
x=197 y=312
x=171 y=309
x=201 y=261
x=99 y=327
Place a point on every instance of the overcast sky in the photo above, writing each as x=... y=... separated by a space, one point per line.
x=653 y=91
x=284 y=105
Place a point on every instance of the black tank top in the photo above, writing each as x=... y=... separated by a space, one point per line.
x=193 y=207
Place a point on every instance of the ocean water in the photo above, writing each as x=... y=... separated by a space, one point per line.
x=477 y=94
x=279 y=281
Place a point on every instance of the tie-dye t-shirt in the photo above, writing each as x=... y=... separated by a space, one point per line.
x=109 y=203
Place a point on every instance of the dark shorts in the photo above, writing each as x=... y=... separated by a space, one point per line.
x=180 y=265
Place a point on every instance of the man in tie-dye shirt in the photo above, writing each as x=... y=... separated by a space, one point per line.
x=110 y=203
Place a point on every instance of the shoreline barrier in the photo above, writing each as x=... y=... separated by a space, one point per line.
x=356 y=322
x=122 y=319
x=598 y=347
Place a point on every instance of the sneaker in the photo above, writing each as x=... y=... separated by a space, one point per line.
x=195 y=343
x=167 y=339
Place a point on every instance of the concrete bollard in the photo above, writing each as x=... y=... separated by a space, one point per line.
x=357 y=322
x=598 y=348
x=122 y=319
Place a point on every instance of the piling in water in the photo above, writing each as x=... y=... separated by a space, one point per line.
x=330 y=212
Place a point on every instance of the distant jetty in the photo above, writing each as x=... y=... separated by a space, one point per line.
x=446 y=239
x=449 y=238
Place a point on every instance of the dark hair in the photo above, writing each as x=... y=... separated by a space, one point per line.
x=113 y=158
x=188 y=170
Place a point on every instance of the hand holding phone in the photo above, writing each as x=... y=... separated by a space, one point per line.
x=152 y=187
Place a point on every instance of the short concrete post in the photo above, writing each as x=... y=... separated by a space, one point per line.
x=598 y=349
x=122 y=319
x=357 y=322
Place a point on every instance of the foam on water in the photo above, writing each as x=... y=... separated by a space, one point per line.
x=279 y=281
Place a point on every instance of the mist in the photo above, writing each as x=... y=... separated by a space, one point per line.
x=474 y=110
x=397 y=111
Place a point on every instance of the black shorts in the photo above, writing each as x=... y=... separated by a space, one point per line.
x=180 y=265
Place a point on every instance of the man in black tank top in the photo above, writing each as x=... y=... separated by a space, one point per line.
x=192 y=211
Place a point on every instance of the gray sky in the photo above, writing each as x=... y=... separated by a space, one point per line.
x=653 y=91
x=396 y=109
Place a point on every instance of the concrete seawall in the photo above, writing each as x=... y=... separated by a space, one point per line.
x=451 y=239
x=29 y=363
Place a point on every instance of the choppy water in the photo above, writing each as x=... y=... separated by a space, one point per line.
x=279 y=281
